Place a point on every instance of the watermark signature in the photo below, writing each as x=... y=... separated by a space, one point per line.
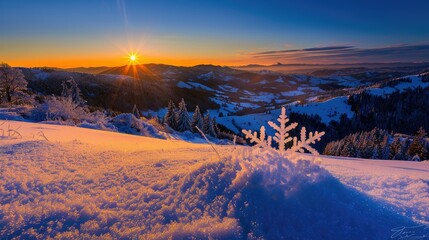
x=419 y=232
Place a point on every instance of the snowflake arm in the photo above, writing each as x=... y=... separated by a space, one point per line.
x=282 y=137
x=282 y=134
x=260 y=142
x=304 y=143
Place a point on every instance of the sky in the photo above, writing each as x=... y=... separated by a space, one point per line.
x=82 y=33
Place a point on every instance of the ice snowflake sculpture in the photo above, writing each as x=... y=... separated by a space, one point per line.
x=282 y=137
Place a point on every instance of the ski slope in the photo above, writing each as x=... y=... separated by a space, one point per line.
x=76 y=183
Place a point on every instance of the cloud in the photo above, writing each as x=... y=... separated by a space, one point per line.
x=329 y=48
x=349 y=54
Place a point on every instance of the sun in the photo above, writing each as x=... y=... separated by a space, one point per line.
x=133 y=58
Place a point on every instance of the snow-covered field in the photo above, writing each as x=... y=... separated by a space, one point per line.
x=76 y=183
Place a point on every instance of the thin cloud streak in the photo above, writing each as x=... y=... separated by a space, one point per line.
x=316 y=49
x=347 y=54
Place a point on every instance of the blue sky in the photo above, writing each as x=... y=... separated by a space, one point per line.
x=187 y=32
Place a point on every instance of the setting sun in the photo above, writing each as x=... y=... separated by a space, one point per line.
x=133 y=58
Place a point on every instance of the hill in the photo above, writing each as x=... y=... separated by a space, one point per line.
x=230 y=91
x=83 y=183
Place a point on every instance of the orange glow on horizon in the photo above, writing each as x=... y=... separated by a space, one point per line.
x=114 y=59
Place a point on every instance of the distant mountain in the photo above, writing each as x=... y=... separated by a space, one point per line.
x=90 y=70
x=227 y=90
x=331 y=68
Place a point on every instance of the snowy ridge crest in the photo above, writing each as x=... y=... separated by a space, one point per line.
x=282 y=137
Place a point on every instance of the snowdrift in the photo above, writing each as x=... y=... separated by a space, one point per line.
x=245 y=195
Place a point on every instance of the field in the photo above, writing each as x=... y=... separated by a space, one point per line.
x=69 y=182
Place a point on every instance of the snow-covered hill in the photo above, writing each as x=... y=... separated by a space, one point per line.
x=69 y=182
x=330 y=109
x=151 y=86
x=401 y=84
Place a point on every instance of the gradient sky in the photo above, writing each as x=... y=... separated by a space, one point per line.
x=71 y=33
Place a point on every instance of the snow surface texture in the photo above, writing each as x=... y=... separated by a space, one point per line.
x=85 y=183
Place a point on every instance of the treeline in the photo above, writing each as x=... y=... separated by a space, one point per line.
x=178 y=119
x=403 y=112
x=400 y=112
x=380 y=144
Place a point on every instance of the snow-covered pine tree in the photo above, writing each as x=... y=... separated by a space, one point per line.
x=417 y=146
x=170 y=116
x=216 y=130
x=136 y=112
x=76 y=94
x=206 y=123
x=182 y=118
x=65 y=93
x=72 y=91
x=197 y=120
x=385 y=149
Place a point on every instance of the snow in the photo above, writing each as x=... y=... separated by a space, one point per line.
x=199 y=85
x=10 y=114
x=416 y=81
x=250 y=121
x=182 y=84
x=42 y=75
x=116 y=77
x=228 y=88
x=279 y=80
x=261 y=97
x=86 y=183
x=382 y=91
x=292 y=93
x=328 y=110
x=346 y=81
x=404 y=184
x=207 y=76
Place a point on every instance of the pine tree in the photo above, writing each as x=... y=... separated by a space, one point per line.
x=416 y=147
x=182 y=118
x=208 y=125
x=216 y=130
x=75 y=92
x=72 y=91
x=426 y=149
x=65 y=93
x=385 y=149
x=197 y=120
x=170 y=116
x=136 y=112
x=394 y=149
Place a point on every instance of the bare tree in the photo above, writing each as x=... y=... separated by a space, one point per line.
x=11 y=81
